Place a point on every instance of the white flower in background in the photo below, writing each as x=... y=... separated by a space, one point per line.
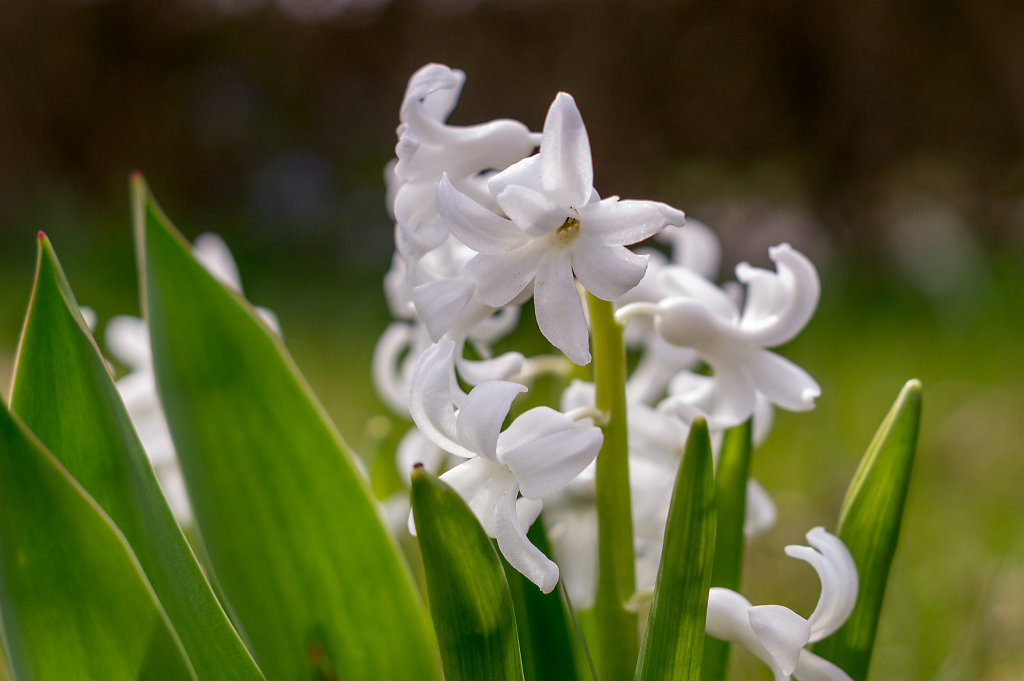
x=127 y=339
x=428 y=147
x=556 y=228
x=540 y=452
x=776 y=634
x=697 y=314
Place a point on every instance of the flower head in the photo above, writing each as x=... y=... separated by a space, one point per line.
x=557 y=231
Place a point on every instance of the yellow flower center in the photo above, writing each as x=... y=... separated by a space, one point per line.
x=565 y=233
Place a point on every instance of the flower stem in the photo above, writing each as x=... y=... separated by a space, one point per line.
x=617 y=638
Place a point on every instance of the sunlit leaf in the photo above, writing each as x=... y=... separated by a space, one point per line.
x=674 y=640
x=74 y=603
x=469 y=598
x=869 y=525
x=295 y=540
x=64 y=393
x=730 y=499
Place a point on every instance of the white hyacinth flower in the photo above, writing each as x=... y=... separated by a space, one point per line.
x=776 y=634
x=697 y=314
x=557 y=227
x=539 y=453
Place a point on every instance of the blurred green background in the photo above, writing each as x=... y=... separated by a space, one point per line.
x=883 y=139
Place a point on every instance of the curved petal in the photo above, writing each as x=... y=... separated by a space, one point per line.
x=439 y=303
x=482 y=484
x=728 y=620
x=533 y=212
x=779 y=306
x=782 y=632
x=838 y=573
x=474 y=225
x=681 y=282
x=517 y=549
x=549 y=462
x=414 y=448
x=395 y=340
x=559 y=311
x=500 y=278
x=810 y=667
x=480 y=419
x=781 y=381
x=615 y=222
x=431 y=402
x=476 y=371
x=694 y=246
x=566 y=166
x=524 y=173
x=608 y=272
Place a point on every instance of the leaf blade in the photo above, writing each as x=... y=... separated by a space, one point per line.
x=272 y=483
x=73 y=407
x=731 y=476
x=469 y=596
x=869 y=525
x=674 y=640
x=74 y=603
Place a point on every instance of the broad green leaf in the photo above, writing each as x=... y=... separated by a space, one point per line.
x=548 y=644
x=469 y=598
x=731 y=501
x=674 y=640
x=65 y=395
x=869 y=525
x=296 y=542
x=74 y=603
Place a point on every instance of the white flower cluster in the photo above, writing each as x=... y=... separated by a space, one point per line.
x=482 y=225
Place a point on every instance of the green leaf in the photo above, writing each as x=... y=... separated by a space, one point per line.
x=869 y=525
x=74 y=603
x=550 y=649
x=295 y=540
x=731 y=500
x=674 y=640
x=72 y=406
x=469 y=597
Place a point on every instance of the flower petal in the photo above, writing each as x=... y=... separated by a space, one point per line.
x=431 y=400
x=556 y=451
x=439 y=303
x=781 y=381
x=810 y=667
x=607 y=271
x=782 y=632
x=482 y=484
x=533 y=212
x=614 y=222
x=838 y=573
x=517 y=549
x=480 y=419
x=500 y=278
x=566 y=166
x=779 y=306
x=559 y=311
x=474 y=225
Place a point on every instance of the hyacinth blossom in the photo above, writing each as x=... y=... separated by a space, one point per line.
x=481 y=227
x=540 y=452
x=127 y=338
x=557 y=231
x=776 y=634
x=697 y=315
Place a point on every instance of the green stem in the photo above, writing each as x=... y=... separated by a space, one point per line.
x=617 y=640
